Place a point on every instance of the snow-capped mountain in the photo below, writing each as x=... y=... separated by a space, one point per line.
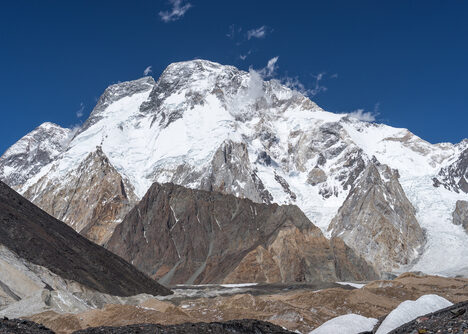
x=32 y=152
x=213 y=127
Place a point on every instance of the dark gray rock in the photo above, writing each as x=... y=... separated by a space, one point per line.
x=39 y=238
x=245 y=326
x=13 y=326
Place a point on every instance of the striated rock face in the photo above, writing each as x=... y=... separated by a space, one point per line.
x=179 y=235
x=32 y=152
x=460 y=214
x=92 y=199
x=37 y=251
x=377 y=220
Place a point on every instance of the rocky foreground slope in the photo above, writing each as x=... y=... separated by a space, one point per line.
x=185 y=236
x=40 y=255
x=212 y=127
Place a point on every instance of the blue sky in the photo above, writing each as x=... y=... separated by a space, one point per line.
x=406 y=62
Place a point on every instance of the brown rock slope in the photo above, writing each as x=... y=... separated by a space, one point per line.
x=93 y=199
x=301 y=310
x=180 y=235
x=378 y=221
x=40 y=239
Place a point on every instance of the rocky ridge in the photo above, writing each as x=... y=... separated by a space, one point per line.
x=184 y=236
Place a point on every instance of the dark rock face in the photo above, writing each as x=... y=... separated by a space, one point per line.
x=11 y=326
x=455 y=176
x=460 y=214
x=180 y=235
x=233 y=327
x=43 y=240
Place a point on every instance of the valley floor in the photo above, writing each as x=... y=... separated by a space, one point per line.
x=300 y=307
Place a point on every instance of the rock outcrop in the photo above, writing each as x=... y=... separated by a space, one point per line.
x=181 y=235
x=92 y=199
x=39 y=252
x=378 y=221
x=460 y=214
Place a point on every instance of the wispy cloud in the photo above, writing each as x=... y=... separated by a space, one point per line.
x=80 y=112
x=147 y=71
x=178 y=10
x=245 y=55
x=318 y=87
x=361 y=115
x=295 y=84
x=260 y=32
x=233 y=31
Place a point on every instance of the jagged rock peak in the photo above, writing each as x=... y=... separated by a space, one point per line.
x=378 y=221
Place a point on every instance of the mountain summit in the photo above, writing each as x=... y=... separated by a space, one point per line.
x=212 y=127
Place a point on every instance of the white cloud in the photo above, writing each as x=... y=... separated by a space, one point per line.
x=361 y=115
x=269 y=70
x=80 y=112
x=147 y=71
x=177 y=11
x=260 y=32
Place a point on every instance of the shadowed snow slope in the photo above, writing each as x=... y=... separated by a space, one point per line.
x=213 y=127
